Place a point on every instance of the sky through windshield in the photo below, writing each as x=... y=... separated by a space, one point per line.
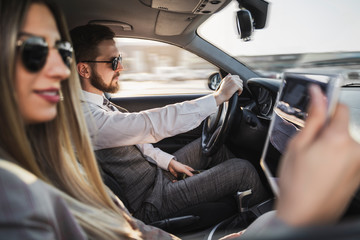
x=293 y=26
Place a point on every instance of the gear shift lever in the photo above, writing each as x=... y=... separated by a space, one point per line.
x=243 y=200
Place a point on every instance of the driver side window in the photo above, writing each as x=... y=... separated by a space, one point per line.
x=154 y=68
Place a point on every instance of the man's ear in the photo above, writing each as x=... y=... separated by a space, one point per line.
x=83 y=70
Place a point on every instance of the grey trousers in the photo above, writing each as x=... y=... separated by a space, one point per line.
x=223 y=175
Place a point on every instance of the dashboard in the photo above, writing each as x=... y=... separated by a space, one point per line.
x=256 y=118
x=264 y=91
x=250 y=130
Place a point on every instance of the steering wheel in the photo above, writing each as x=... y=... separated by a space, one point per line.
x=216 y=126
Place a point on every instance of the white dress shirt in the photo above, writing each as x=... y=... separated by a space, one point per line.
x=109 y=128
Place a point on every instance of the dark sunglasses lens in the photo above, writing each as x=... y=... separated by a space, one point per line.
x=65 y=51
x=115 y=64
x=34 y=53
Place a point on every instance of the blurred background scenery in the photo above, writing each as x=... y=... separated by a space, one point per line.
x=305 y=42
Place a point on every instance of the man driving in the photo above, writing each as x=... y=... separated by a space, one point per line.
x=122 y=140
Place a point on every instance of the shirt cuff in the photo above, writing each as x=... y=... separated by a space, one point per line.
x=163 y=160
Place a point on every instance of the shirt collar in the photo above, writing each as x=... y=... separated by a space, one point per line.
x=92 y=98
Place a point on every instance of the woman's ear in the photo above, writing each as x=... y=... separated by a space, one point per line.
x=83 y=70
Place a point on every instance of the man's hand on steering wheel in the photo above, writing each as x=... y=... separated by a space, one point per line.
x=217 y=126
x=228 y=86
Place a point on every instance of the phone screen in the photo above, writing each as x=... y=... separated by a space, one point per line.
x=350 y=96
x=289 y=115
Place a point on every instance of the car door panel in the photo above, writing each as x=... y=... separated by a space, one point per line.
x=136 y=104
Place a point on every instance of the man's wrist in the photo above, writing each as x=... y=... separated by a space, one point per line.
x=218 y=98
x=171 y=162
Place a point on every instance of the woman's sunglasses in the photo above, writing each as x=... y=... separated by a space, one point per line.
x=114 y=62
x=34 y=51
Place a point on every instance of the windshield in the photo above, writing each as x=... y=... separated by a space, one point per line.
x=305 y=34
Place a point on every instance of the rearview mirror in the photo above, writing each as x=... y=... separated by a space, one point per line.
x=252 y=15
x=244 y=23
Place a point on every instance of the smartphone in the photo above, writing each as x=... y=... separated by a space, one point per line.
x=290 y=113
x=182 y=176
x=350 y=96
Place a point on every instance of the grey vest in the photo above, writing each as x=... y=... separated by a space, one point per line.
x=139 y=177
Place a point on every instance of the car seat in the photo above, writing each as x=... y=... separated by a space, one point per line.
x=194 y=218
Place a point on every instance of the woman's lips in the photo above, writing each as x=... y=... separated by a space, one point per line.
x=50 y=95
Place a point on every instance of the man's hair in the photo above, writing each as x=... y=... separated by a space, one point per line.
x=86 y=38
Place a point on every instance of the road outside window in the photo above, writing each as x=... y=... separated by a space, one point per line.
x=154 y=68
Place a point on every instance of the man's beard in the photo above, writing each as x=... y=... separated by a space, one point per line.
x=98 y=83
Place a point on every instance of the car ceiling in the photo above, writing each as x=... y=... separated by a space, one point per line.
x=155 y=24
x=136 y=18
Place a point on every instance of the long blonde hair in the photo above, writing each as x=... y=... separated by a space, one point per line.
x=54 y=150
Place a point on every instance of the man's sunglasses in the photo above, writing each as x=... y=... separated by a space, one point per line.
x=34 y=51
x=114 y=62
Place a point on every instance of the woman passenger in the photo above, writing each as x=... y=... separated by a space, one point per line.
x=45 y=194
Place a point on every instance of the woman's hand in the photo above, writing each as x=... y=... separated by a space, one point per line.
x=232 y=235
x=320 y=170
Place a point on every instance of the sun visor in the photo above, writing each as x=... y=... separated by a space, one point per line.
x=188 y=6
x=171 y=24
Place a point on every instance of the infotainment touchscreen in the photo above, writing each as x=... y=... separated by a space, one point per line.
x=289 y=115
